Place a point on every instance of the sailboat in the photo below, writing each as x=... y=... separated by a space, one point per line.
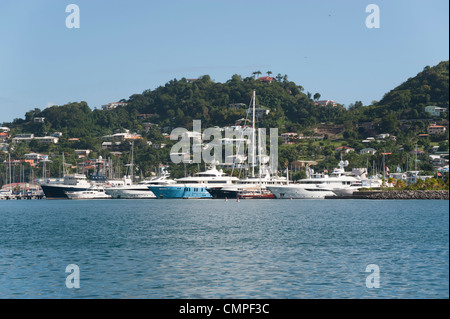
x=254 y=187
x=3 y=192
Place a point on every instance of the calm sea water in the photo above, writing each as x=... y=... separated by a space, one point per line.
x=276 y=249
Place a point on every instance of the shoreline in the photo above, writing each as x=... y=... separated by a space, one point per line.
x=376 y=194
x=397 y=194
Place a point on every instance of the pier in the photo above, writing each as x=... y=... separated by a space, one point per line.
x=396 y=194
x=20 y=197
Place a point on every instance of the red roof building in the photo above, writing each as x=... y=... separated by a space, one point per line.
x=3 y=136
x=266 y=79
x=436 y=129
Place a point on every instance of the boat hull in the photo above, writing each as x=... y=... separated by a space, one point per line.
x=81 y=197
x=130 y=193
x=180 y=191
x=227 y=193
x=345 y=191
x=257 y=196
x=294 y=192
x=59 y=191
x=218 y=193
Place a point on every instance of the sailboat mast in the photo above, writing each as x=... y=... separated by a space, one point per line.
x=253 y=136
x=63 y=164
x=132 y=162
x=10 y=177
x=287 y=175
x=416 y=174
x=259 y=154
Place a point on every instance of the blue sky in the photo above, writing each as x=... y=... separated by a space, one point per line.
x=126 y=47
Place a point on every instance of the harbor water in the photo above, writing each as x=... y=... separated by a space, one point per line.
x=275 y=249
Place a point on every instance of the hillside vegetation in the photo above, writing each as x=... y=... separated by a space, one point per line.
x=400 y=113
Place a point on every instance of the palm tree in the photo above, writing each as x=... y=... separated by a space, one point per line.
x=269 y=73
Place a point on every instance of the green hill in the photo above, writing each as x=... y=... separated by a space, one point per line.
x=429 y=87
x=179 y=102
x=401 y=112
x=408 y=100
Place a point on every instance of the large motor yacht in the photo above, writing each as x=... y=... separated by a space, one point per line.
x=194 y=186
x=71 y=183
x=318 y=186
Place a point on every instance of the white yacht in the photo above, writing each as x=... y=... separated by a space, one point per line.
x=139 y=190
x=91 y=193
x=250 y=187
x=318 y=186
x=347 y=191
x=5 y=193
x=194 y=186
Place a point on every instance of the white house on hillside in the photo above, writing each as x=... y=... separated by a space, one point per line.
x=435 y=110
x=112 y=106
x=368 y=150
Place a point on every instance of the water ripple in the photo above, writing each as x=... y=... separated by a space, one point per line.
x=217 y=249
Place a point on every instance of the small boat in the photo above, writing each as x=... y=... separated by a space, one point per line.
x=94 y=193
x=255 y=194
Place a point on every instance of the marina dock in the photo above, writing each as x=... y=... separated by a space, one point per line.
x=396 y=194
x=20 y=197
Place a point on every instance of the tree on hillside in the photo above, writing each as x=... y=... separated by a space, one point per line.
x=256 y=74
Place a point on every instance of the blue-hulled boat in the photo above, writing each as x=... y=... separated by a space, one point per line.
x=194 y=186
